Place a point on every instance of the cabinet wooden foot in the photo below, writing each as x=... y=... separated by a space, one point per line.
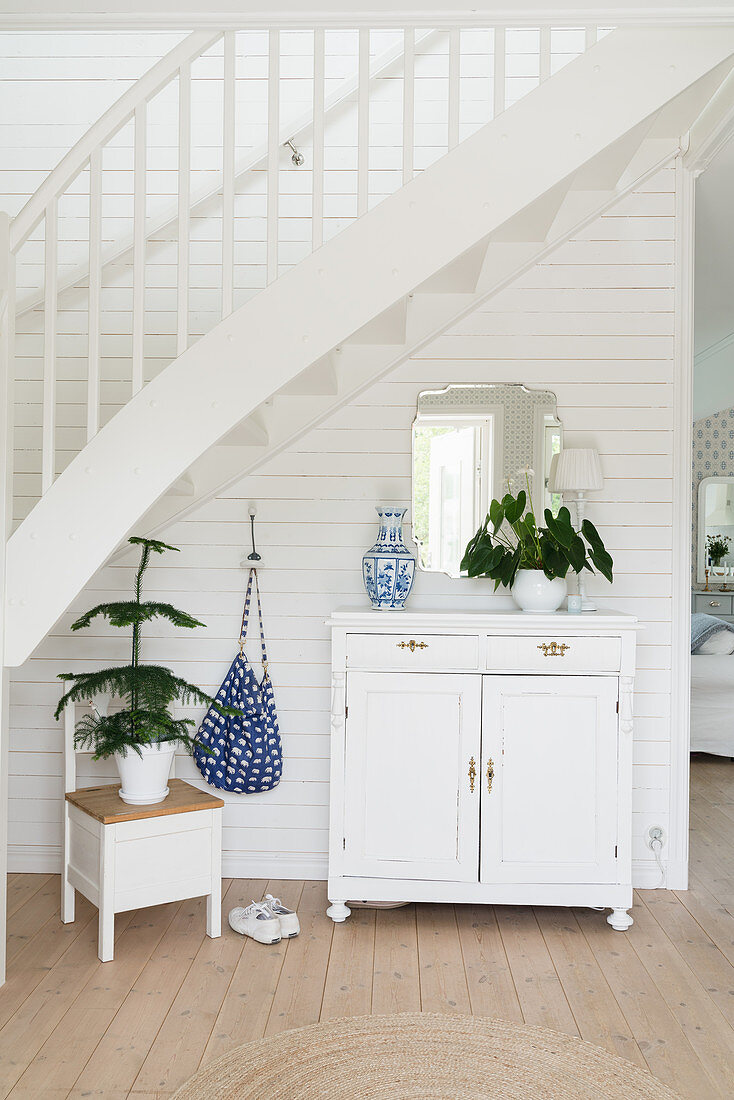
x=620 y=920
x=338 y=911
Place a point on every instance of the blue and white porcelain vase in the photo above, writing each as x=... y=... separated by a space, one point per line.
x=388 y=567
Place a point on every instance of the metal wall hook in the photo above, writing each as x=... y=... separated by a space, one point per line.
x=254 y=556
x=298 y=157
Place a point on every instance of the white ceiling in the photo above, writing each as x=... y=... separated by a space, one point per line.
x=187 y=12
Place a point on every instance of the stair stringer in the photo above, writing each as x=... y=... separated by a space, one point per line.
x=361 y=273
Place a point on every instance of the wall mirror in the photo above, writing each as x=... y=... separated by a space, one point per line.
x=469 y=443
x=715 y=517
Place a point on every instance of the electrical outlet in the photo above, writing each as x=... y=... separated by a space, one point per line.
x=655 y=832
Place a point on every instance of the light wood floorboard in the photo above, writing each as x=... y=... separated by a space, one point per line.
x=660 y=995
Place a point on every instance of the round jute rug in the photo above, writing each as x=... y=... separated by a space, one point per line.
x=421 y=1056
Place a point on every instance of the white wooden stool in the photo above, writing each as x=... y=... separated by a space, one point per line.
x=125 y=857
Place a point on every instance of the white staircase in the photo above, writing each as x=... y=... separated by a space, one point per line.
x=346 y=314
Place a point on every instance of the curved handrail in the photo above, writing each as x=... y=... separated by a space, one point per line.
x=104 y=129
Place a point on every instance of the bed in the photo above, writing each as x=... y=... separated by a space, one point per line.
x=712 y=703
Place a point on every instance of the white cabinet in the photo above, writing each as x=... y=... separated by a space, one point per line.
x=482 y=758
x=411 y=807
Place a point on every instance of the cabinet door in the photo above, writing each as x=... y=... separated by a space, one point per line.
x=409 y=807
x=550 y=812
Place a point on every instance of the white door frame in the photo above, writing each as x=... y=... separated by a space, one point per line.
x=680 y=693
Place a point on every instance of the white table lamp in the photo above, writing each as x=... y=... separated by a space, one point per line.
x=577 y=470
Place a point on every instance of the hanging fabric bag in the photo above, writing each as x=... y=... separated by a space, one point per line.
x=245 y=749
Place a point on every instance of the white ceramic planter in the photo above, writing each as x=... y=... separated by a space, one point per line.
x=532 y=591
x=144 y=778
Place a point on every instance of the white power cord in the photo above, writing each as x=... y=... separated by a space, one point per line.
x=656 y=845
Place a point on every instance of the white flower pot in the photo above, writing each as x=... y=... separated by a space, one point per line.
x=144 y=778
x=532 y=591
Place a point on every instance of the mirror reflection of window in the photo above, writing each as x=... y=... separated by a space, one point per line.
x=473 y=442
x=451 y=478
x=553 y=439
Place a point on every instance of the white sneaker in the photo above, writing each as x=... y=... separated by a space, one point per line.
x=289 y=923
x=257 y=922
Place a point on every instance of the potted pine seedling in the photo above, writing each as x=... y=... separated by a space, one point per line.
x=142 y=736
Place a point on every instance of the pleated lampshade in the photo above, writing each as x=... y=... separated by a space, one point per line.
x=577 y=469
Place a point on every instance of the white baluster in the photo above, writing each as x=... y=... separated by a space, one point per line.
x=50 y=306
x=544 y=64
x=363 y=122
x=591 y=35
x=139 y=198
x=408 y=103
x=499 y=71
x=95 y=291
x=454 y=86
x=317 y=173
x=273 y=153
x=184 y=206
x=228 y=128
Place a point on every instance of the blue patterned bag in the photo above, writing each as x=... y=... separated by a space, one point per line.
x=246 y=751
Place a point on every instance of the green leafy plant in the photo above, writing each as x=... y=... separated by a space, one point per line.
x=147 y=691
x=717 y=547
x=510 y=539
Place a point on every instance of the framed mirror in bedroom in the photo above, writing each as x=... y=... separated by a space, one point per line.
x=715 y=526
x=472 y=443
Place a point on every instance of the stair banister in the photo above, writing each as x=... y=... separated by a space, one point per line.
x=273 y=182
x=228 y=174
x=184 y=207
x=95 y=291
x=104 y=129
x=317 y=149
x=295 y=130
x=50 y=309
x=408 y=103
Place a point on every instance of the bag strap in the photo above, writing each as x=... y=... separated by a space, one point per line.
x=246 y=616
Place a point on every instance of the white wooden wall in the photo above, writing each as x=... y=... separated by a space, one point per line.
x=595 y=325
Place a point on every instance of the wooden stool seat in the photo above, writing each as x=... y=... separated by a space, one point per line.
x=105 y=805
x=124 y=857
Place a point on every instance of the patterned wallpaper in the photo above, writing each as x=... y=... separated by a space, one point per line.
x=519 y=405
x=713 y=454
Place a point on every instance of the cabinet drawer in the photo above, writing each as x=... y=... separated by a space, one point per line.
x=711 y=603
x=418 y=652
x=554 y=653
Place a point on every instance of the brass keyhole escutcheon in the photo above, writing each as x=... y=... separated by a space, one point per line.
x=490 y=774
x=554 y=649
x=472 y=774
x=412 y=645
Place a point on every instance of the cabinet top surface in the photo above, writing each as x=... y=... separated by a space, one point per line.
x=508 y=619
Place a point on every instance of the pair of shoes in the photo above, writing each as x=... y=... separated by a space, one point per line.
x=266 y=921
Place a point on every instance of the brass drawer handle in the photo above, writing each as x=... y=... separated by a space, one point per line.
x=472 y=774
x=412 y=645
x=490 y=775
x=554 y=649
x=714 y=603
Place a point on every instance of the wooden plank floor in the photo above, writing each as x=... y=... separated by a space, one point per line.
x=661 y=995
